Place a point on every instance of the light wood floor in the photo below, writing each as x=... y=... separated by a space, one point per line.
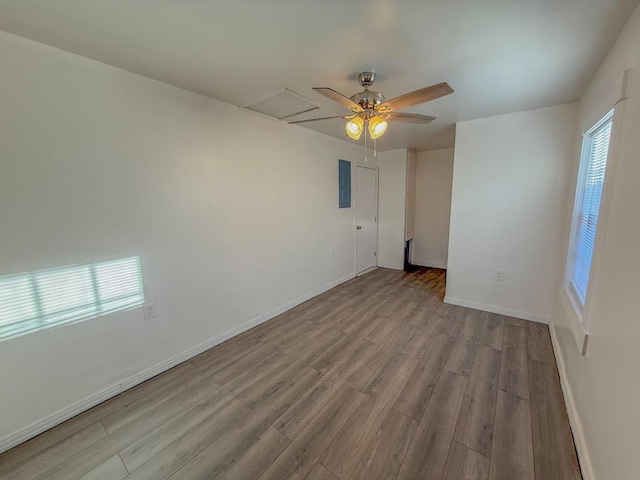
x=376 y=379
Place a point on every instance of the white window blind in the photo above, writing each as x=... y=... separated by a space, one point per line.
x=35 y=300
x=595 y=150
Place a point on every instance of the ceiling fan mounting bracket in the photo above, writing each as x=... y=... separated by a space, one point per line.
x=366 y=79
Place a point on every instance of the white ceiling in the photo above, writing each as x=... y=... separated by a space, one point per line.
x=499 y=56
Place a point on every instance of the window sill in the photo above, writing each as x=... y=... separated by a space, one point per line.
x=575 y=314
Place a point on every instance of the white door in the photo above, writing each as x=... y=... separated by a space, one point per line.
x=366 y=218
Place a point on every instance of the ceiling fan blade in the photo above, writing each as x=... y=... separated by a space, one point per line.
x=416 y=97
x=338 y=97
x=322 y=118
x=408 y=117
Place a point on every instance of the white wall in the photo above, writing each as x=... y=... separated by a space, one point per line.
x=602 y=391
x=233 y=216
x=392 y=192
x=509 y=184
x=434 y=177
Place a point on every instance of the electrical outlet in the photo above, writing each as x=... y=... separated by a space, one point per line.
x=149 y=310
x=500 y=275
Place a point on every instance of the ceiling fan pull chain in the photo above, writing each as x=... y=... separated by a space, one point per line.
x=375 y=153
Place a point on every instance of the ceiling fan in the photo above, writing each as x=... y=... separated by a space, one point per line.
x=370 y=108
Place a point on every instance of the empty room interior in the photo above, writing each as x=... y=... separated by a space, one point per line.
x=319 y=240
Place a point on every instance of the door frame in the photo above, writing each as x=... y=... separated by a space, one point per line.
x=376 y=168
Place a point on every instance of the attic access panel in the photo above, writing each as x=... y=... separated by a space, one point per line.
x=281 y=104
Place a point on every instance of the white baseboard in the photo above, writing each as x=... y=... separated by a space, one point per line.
x=534 y=317
x=368 y=270
x=57 y=418
x=393 y=266
x=425 y=263
x=574 y=419
x=66 y=413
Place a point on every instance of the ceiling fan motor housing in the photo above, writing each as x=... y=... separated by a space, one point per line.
x=368 y=99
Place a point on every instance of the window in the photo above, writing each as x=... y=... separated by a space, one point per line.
x=45 y=298
x=594 y=159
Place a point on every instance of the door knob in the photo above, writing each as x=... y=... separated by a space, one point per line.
x=359 y=227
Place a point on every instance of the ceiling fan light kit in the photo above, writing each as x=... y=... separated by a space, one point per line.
x=377 y=127
x=354 y=127
x=370 y=109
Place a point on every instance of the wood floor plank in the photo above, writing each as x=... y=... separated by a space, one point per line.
x=325 y=359
x=321 y=339
x=512 y=452
x=241 y=364
x=168 y=460
x=515 y=336
x=42 y=442
x=400 y=336
x=427 y=454
x=554 y=450
x=473 y=323
x=289 y=332
x=514 y=374
x=212 y=459
x=318 y=472
x=33 y=466
x=313 y=304
x=384 y=328
x=261 y=391
x=493 y=331
x=462 y=355
x=308 y=329
x=422 y=317
x=365 y=312
x=368 y=324
x=256 y=375
x=516 y=322
x=257 y=458
x=418 y=340
x=224 y=411
x=310 y=353
x=112 y=469
x=366 y=372
x=424 y=327
x=451 y=318
x=397 y=315
x=349 y=445
x=97 y=453
x=385 y=454
x=339 y=319
x=298 y=459
x=296 y=418
x=243 y=380
x=135 y=409
x=342 y=365
x=416 y=394
x=539 y=343
x=466 y=464
x=229 y=351
x=475 y=425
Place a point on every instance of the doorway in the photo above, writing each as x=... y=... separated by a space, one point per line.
x=366 y=218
